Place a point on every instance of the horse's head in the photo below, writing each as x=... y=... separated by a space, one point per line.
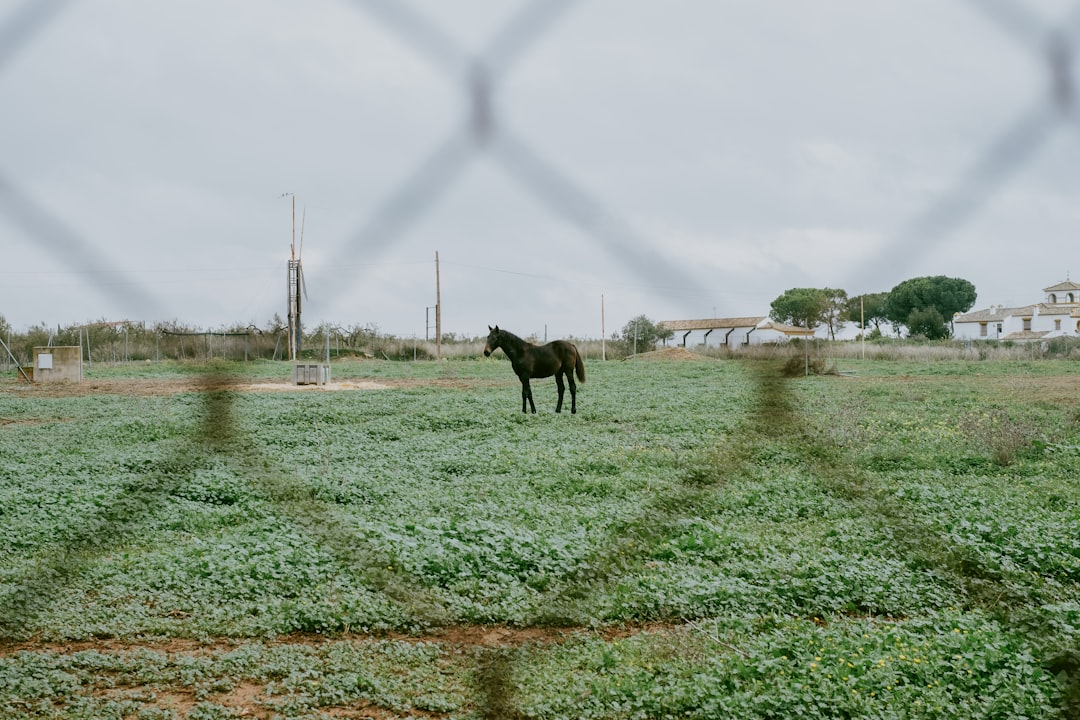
x=493 y=338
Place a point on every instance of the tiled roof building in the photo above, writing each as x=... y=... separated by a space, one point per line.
x=1058 y=315
x=733 y=332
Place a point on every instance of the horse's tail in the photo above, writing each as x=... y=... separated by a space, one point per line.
x=579 y=366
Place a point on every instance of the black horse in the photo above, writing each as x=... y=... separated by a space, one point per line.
x=539 y=361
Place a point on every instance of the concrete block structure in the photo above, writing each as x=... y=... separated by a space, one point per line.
x=54 y=364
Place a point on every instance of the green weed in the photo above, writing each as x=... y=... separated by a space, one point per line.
x=884 y=545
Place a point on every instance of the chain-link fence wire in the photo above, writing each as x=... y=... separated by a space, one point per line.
x=483 y=131
x=1054 y=46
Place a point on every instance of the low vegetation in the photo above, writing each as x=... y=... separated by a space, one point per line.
x=706 y=538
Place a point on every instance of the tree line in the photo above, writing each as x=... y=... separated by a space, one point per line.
x=128 y=341
x=922 y=306
x=125 y=341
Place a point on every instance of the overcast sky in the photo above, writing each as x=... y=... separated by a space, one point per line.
x=679 y=159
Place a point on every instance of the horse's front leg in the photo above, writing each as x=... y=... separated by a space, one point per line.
x=526 y=396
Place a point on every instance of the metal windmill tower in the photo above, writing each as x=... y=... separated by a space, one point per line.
x=296 y=285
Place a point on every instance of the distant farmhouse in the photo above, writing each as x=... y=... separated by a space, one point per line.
x=733 y=333
x=1058 y=316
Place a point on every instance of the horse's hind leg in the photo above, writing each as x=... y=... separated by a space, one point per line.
x=562 y=389
x=573 y=393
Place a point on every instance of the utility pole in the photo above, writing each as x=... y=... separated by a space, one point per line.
x=862 y=322
x=438 y=311
x=603 y=331
x=292 y=286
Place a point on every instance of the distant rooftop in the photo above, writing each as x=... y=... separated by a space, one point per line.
x=1062 y=286
x=712 y=324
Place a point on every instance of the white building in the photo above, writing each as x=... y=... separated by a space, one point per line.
x=1057 y=316
x=732 y=333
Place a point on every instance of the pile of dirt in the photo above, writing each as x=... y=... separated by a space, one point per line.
x=673 y=353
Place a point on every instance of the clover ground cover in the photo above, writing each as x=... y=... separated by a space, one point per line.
x=751 y=525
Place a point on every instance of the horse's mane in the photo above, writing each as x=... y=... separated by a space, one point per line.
x=507 y=335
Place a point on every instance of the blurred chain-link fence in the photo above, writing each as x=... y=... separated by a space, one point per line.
x=477 y=76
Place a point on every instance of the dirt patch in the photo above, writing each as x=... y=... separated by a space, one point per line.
x=244 y=699
x=328 y=387
x=173 y=386
x=32 y=421
x=254 y=698
x=1056 y=390
x=462 y=636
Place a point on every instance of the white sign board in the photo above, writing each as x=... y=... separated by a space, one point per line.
x=44 y=361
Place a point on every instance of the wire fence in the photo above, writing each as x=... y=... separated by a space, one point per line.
x=477 y=76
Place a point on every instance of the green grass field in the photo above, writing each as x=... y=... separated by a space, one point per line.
x=704 y=539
